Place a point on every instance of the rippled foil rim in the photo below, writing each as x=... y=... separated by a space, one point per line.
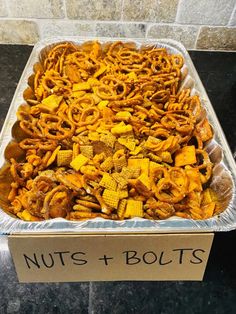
x=225 y=169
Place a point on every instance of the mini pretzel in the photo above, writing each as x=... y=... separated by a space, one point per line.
x=74 y=114
x=31 y=128
x=167 y=191
x=128 y=56
x=45 y=211
x=204 y=165
x=20 y=171
x=89 y=116
x=56 y=127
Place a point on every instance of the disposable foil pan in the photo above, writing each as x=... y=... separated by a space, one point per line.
x=224 y=172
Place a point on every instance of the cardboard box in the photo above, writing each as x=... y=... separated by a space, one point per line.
x=76 y=257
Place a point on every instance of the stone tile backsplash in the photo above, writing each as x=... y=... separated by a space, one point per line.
x=202 y=24
x=214 y=37
x=104 y=10
x=187 y=35
x=36 y=9
x=3 y=9
x=52 y=28
x=150 y=11
x=207 y=12
x=129 y=30
x=18 y=31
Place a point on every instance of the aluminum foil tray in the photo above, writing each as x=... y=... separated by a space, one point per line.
x=224 y=172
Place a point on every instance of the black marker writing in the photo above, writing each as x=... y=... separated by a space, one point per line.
x=28 y=259
x=78 y=260
x=149 y=257
x=131 y=258
x=161 y=262
x=44 y=262
x=198 y=259
x=61 y=256
x=105 y=259
x=181 y=253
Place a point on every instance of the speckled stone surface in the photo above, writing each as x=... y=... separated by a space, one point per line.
x=149 y=10
x=52 y=28
x=36 y=9
x=222 y=38
x=161 y=297
x=210 y=12
x=215 y=295
x=121 y=30
x=18 y=31
x=105 y=10
x=39 y=298
x=179 y=33
x=3 y=9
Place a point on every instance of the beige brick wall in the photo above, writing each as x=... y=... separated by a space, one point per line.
x=201 y=24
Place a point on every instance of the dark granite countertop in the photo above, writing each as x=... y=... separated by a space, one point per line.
x=215 y=294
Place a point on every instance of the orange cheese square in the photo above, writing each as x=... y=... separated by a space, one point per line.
x=143 y=164
x=194 y=179
x=185 y=156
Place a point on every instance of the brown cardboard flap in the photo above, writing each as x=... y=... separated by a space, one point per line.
x=67 y=258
